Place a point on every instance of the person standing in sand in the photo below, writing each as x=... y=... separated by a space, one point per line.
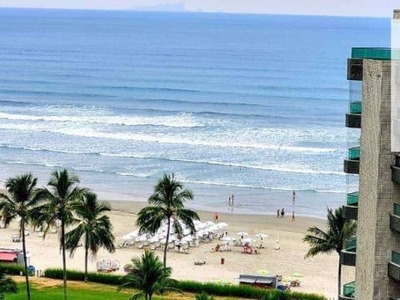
x=293 y=217
x=282 y=212
x=278 y=213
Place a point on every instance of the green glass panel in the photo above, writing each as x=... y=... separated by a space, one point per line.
x=375 y=53
x=396 y=209
x=351 y=244
x=396 y=258
x=354 y=153
x=349 y=289
x=352 y=198
x=355 y=107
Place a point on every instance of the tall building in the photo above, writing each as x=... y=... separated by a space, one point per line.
x=373 y=180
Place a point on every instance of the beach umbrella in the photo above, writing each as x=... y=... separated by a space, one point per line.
x=154 y=239
x=187 y=238
x=248 y=240
x=228 y=239
x=263 y=272
x=242 y=233
x=222 y=224
x=287 y=279
x=208 y=223
x=261 y=235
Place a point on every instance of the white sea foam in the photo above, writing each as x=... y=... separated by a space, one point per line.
x=183 y=120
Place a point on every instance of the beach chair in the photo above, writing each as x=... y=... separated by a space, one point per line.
x=16 y=239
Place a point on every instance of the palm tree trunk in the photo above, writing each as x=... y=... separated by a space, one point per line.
x=86 y=259
x=28 y=290
x=166 y=242
x=339 y=277
x=64 y=258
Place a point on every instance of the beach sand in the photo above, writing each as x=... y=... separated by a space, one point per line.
x=319 y=272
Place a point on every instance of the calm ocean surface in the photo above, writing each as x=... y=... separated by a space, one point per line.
x=247 y=104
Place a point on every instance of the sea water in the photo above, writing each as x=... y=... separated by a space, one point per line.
x=250 y=105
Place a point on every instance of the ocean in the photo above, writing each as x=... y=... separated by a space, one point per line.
x=250 y=105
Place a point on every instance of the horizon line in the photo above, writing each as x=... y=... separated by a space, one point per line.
x=144 y=10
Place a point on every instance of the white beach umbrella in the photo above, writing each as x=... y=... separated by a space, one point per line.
x=248 y=240
x=228 y=239
x=200 y=233
x=187 y=238
x=208 y=223
x=242 y=233
x=261 y=235
x=154 y=239
x=213 y=228
x=222 y=225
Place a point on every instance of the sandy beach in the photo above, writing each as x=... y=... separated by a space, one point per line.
x=319 y=273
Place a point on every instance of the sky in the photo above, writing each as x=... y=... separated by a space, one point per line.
x=373 y=8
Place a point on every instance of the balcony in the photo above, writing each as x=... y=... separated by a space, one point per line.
x=355 y=107
x=353 y=120
x=350 y=210
x=396 y=170
x=348 y=291
x=395 y=218
x=394 y=266
x=352 y=163
x=348 y=255
x=354 y=69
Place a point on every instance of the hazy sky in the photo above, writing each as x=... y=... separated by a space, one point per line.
x=319 y=7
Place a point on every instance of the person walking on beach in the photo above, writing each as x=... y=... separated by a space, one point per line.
x=215 y=216
x=230 y=201
x=282 y=212
x=278 y=213
x=293 y=217
x=232 y=198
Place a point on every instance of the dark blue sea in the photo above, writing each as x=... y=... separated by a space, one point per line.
x=252 y=105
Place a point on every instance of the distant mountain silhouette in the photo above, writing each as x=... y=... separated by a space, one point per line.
x=173 y=7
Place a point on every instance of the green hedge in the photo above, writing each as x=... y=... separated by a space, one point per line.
x=194 y=287
x=12 y=269
x=244 y=291
x=79 y=276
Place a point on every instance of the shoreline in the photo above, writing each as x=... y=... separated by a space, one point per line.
x=207 y=197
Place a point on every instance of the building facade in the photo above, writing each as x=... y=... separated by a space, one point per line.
x=373 y=196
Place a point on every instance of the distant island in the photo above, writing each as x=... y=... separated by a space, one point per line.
x=172 y=7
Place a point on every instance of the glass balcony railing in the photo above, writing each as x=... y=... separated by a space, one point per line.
x=355 y=107
x=352 y=198
x=351 y=245
x=349 y=289
x=354 y=153
x=396 y=210
x=395 y=258
x=373 y=53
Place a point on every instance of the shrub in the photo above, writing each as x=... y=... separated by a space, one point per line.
x=12 y=269
x=79 y=276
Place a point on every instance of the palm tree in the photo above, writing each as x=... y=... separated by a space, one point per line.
x=7 y=284
x=94 y=227
x=338 y=231
x=61 y=198
x=148 y=275
x=19 y=203
x=167 y=204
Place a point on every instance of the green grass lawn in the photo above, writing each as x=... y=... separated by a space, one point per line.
x=49 y=289
x=76 y=290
